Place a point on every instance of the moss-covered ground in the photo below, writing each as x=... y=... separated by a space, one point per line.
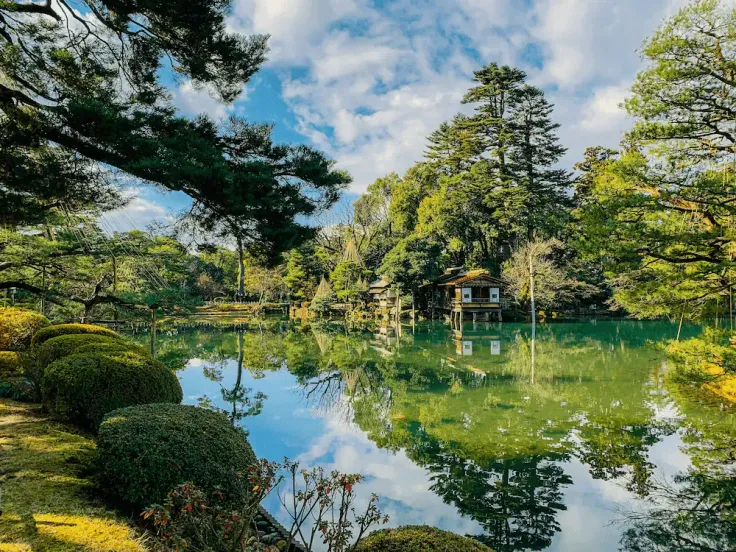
x=48 y=499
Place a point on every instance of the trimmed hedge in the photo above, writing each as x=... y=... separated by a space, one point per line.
x=418 y=538
x=9 y=365
x=65 y=329
x=17 y=327
x=145 y=451
x=82 y=388
x=64 y=345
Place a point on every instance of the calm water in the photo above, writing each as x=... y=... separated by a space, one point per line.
x=467 y=433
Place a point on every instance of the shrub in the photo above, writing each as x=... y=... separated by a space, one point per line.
x=82 y=388
x=418 y=538
x=145 y=451
x=18 y=389
x=9 y=365
x=64 y=345
x=17 y=327
x=66 y=329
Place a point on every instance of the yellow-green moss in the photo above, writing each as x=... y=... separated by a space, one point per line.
x=48 y=503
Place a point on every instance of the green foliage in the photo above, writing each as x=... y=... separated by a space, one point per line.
x=412 y=261
x=64 y=345
x=83 y=387
x=57 y=330
x=145 y=451
x=350 y=281
x=660 y=216
x=323 y=303
x=302 y=272
x=53 y=94
x=13 y=378
x=10 y=365
x=418 y=538
x=494 y=171
x=191 y=519
x=711 y=347
x=17 y=328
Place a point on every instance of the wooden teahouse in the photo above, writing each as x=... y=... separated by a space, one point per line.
x=462 y=294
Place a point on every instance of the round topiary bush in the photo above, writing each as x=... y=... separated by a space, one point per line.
x=64 y=345
x=9 y=365
x=145 y=451
x=17 y=327
x=418 y=538
x=82 y=388
x=66 y=329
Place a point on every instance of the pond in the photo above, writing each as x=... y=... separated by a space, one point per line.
x=571 y=442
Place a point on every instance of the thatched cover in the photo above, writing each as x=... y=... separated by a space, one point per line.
x=324 y=289
x=351 y=253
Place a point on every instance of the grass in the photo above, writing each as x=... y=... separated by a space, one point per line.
x=48 y=501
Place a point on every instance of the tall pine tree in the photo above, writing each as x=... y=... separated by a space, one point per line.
x=533 y=152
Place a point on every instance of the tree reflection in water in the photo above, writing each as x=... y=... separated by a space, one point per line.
x=496 y=418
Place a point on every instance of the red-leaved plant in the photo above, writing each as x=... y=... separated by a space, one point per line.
x=319 y=505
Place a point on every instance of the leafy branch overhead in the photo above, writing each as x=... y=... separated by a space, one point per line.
x=85 y=77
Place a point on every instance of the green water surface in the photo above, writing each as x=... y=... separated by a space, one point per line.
x=573 y=441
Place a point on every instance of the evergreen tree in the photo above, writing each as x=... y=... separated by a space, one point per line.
x=91 y=86
x=302 y=272
x=495 y=98
x=454 y=147
x=534 y=150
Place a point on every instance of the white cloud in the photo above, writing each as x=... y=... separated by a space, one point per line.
x=137 y=214
x=604 y=111
x=404 y=487
x=196 y=101
x=368 y=85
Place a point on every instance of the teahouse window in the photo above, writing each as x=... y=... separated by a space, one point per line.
x=467 y=295
x=494 y=294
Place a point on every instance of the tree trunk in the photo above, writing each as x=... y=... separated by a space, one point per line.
x=153 y=333
x=43 y=296
x=534 y=314
x=241 y=272
x=239 y=380
x=531 y=289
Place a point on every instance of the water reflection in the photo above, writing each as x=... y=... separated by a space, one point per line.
x=510 y=425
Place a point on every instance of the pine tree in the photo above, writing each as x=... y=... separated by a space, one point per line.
x=454 y=147
x=495 y=96
x=534 y=149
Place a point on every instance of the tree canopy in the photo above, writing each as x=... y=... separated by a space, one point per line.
x=83 y=92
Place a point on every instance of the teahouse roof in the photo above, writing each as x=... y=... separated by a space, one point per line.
x=479 y=276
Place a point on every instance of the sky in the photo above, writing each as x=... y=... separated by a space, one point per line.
x=367 y=80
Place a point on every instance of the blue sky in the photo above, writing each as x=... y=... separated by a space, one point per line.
x=368 y=80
